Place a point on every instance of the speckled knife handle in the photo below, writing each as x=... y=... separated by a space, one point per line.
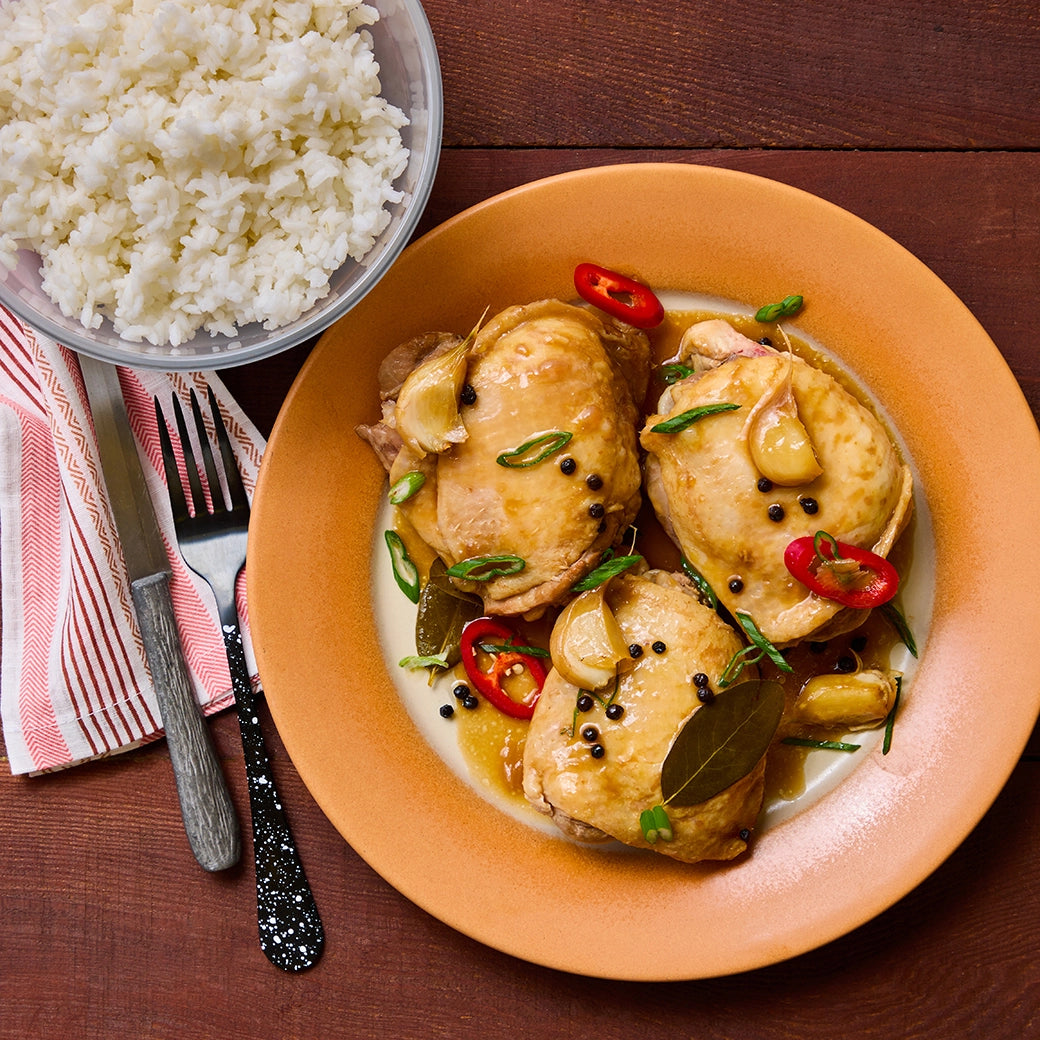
x=291 y=932
x=209 y=815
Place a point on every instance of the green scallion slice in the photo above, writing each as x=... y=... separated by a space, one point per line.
x=604 y=572
x=674 y=373
x=684 y=420
x=786 y=308
x=403 y=489
x=406 y=574
x=536 y=450
x=485 y=568
x=820 y=745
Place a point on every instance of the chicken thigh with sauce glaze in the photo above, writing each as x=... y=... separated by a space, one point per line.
x=532 y=371
x=833 y=465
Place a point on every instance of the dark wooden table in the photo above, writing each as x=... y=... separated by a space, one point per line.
x=922 y=118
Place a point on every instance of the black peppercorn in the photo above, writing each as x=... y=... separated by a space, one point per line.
x=596 y=510
x=766 y=341
x=446 y=711
x=614 y=712
x=658 y=647
x=461 y=691
x=705 y=696
x=469 y=702
x=809 y=505
x=635 y=651
x=845 y=664
x=701 y=679
x=744 y=834
x=597 y=751
x=858 y=643
x=765 y=485
x=776 y=512
x=736 y=585
x=585 y=702
x=590 y=734
x=568 y=465
x=594 y=481
x=469 y=395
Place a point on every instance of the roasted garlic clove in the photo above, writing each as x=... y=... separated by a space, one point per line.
x=778 y=441
x=857 y=700
x=586 y=645
x=427 y=412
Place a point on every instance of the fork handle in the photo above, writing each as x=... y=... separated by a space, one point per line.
x=291 y=932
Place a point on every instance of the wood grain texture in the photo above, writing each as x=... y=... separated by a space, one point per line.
x=922 y=119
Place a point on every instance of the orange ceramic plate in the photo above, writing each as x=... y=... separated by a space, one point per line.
x=810 y=879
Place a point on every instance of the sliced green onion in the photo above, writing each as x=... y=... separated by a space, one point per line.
x=510 y=648
x=403 y=489
x=604 y=572
x=707 y=593
x=684 y=420
x=655 y=824
x=751 y=629
x=890 y=721
x=786 y=308
x=484 y=568
x=429 y=661
x=536 y=450
x=675 y=373
x=821 y=745
x=895 y=618
x=406 y=574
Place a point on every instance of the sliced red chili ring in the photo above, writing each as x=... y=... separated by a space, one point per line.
x=489 y=682
x=618 y=295
x=841 y=572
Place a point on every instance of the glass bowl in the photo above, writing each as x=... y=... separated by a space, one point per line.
x=411 y=79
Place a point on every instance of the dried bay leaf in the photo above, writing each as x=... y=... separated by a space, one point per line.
x=443 y=613
x=721 y=742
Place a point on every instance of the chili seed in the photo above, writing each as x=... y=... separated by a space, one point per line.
x=845 y=664
x=590 y=734
x=597 y=751
x=461 y=691
x=446 y=711
x=809 y=505
x=776 y=512
x=705 y=696
x=594 y=481
x=701 y=679
x=736 y=585
x=658 y=647
x=568 y=465
x=585 y=702
x=596 y=510
x=469 y=702
x=765 y=485
x=469 y=395
x=614 y=712
x=744 y=834
x=635 y=651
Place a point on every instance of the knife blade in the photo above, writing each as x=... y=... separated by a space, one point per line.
x=209 y=817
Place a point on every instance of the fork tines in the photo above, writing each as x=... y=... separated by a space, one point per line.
x=233 y=480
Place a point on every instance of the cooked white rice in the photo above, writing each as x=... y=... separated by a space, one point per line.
x=187 y=164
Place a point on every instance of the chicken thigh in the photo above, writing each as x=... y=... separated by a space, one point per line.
x=531 y=469
x=790 y=453
x=597 y=797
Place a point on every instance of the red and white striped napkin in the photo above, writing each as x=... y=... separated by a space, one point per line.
x=74 y=685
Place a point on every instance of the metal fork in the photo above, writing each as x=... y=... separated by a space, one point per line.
x=212 y=540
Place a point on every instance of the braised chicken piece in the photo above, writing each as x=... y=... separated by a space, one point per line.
x=594 y=797
x=525 y=435
x=789 y=453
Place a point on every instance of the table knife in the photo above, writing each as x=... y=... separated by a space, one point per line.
x=209 y=816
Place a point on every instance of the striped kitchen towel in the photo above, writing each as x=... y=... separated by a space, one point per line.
x=74 y=685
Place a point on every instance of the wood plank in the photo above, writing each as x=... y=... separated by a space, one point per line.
x=748 y=73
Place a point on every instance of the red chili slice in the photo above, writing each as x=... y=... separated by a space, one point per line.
x=489 y=683
x=618 y=295
x=841 y=572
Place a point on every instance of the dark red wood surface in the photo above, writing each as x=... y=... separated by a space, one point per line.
x=923 y=119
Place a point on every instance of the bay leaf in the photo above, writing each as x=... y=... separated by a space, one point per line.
x=721 y=742
x=443 y=613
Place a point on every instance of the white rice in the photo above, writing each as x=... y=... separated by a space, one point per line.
x=187 y=164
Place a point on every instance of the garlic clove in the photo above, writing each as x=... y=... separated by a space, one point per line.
x=586 y=644
x=427 y=411
x=855 y=700
x=778 y=442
